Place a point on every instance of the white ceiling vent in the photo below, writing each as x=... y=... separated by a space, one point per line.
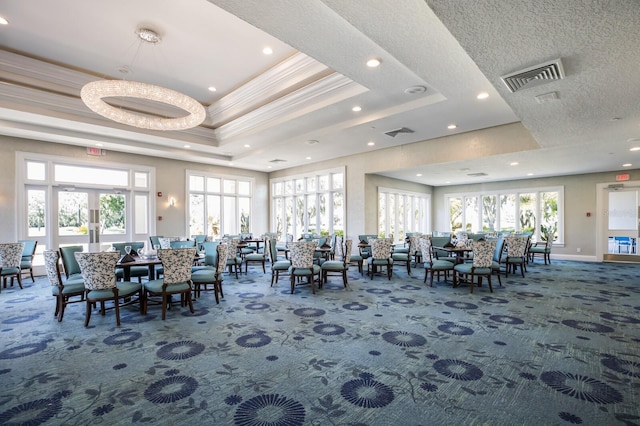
x=394 y=133
x=534 y=76
x=277 y=160
x=479 y=174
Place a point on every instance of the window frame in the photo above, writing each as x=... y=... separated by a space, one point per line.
x=407 y=222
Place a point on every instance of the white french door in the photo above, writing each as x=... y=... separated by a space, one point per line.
x=621 y=223
x=93 y=218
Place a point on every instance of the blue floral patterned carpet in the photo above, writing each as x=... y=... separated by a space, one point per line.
x=560 y=346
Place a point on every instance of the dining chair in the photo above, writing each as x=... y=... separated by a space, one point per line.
x=338 y=266
x=404 y=254
x=69 y=263
x=212 y=271
x=134 y=271
x=480 y=266
x=101 y=285
x=29 y=251
x=301 y=256
x=254 y=256
x=63 y=291
x=177 y=265
x=380 y=256
x=543 y=248
x=516 y=247
x=433 y=266
x=234 y=260
x=498 y=253
x=10 y=258
x=277 y=266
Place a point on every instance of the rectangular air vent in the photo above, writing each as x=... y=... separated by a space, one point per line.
x=277 y=160
x=477 y=174
x=534 y=76
x=394 y=133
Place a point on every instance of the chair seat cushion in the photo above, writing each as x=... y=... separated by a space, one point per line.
x=401 y=250
x=203 y=276
x=10 y=271
x=539 y=250
x=127 y=288
x=465 y=268
x=439 y=265
x=254 y=256
x=75 y=277
x=281 y=265
x=515 y=260
x=356 y=258
x=155 y=286
x=400 y=257
x=235 y=261
x=373 y=261
x=305 y=271
x=202 y=268
x=69 y=288
x=334 y=265
x=26 y=264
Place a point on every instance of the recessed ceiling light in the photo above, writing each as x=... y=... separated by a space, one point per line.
x=515 y=163
x=627 y=165
x=231 y=164
x=482 y=95
x=529 y=174
x=373 y=62
x=267 y=51
x=418 y=174
x=99 y=144
x=3 y=21
x=308 y=158
x=211 y=89
x=246 y=145
x=187 y=146
x=371 y=143
x=312 y=142
x=269 y=167
x=635 y=148
x=451 y=126
x=356 y=109
x=448 y=181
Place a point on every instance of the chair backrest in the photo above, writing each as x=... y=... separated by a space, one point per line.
x=135 y=246
x=347 y=250
x=52 y=265
x=98 y=269
x=516 y=246
x=497 y=253
x=232 y=249
x=164 y=242
x=11 y=255
x=177 y=264
x=272 y=249
x=221 y=264
x=380 y=247
x=414 y=242
x=483 y=253
x=69 y=262
x=211 y=252
x=425 y=248
x=155 y=240
x=339 y=248
x=301 y=253
x=29 y=249
x=548 y=239
x=199 y=239
x=182 y=244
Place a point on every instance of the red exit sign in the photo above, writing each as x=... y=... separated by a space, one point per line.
x=95 y=151
x=622 y=176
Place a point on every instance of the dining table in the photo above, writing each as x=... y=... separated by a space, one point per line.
x=149 y=261
x=460 y=252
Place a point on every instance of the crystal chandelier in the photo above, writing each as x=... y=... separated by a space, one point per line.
x=92 y=95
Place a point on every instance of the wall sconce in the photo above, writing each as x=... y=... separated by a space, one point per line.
x=172 y=201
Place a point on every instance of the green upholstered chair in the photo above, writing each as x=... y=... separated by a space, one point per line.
x=10 y=258
x=182 y=244
x=254 y=256
x=543 y=248
x=433 y=266
x=176 y=279
x=341 y=265
x=212 y=272
x=441 y=254
x=480 y=266
x=155 y=241
x=496 y=265
x=301 y=255
x=134 y=271
x=277 y=266
x=282 y=246
x=98 y=273
x=516 y=247
x=29 y=251
x=69 y=263
x=63 y=291
x=380 y=256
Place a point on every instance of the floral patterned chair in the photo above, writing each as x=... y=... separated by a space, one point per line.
x=212 y=272
x=301 y=256
x=431 y=265
x=516 y=247
x=100 y=283
x=479 y=267
x=63 y=291
x=176 y=279
x=234 y=261
x=339 y=266
x=10 y=258
x=543 y=248
x=380 y=256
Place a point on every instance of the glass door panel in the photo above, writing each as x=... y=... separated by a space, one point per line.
x=623 y=225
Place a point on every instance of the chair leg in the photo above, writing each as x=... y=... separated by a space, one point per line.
x=190 y=300
x=489 y=282
x=87 y=316
x=164 y=306
x=116 y=303
x=344 y=278
x=293 y=283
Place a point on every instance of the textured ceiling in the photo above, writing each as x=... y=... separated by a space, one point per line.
x=306 y=89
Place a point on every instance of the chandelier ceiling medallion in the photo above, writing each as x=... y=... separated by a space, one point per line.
x=92 y=95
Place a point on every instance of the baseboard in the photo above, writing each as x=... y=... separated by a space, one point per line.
x=576 y=257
